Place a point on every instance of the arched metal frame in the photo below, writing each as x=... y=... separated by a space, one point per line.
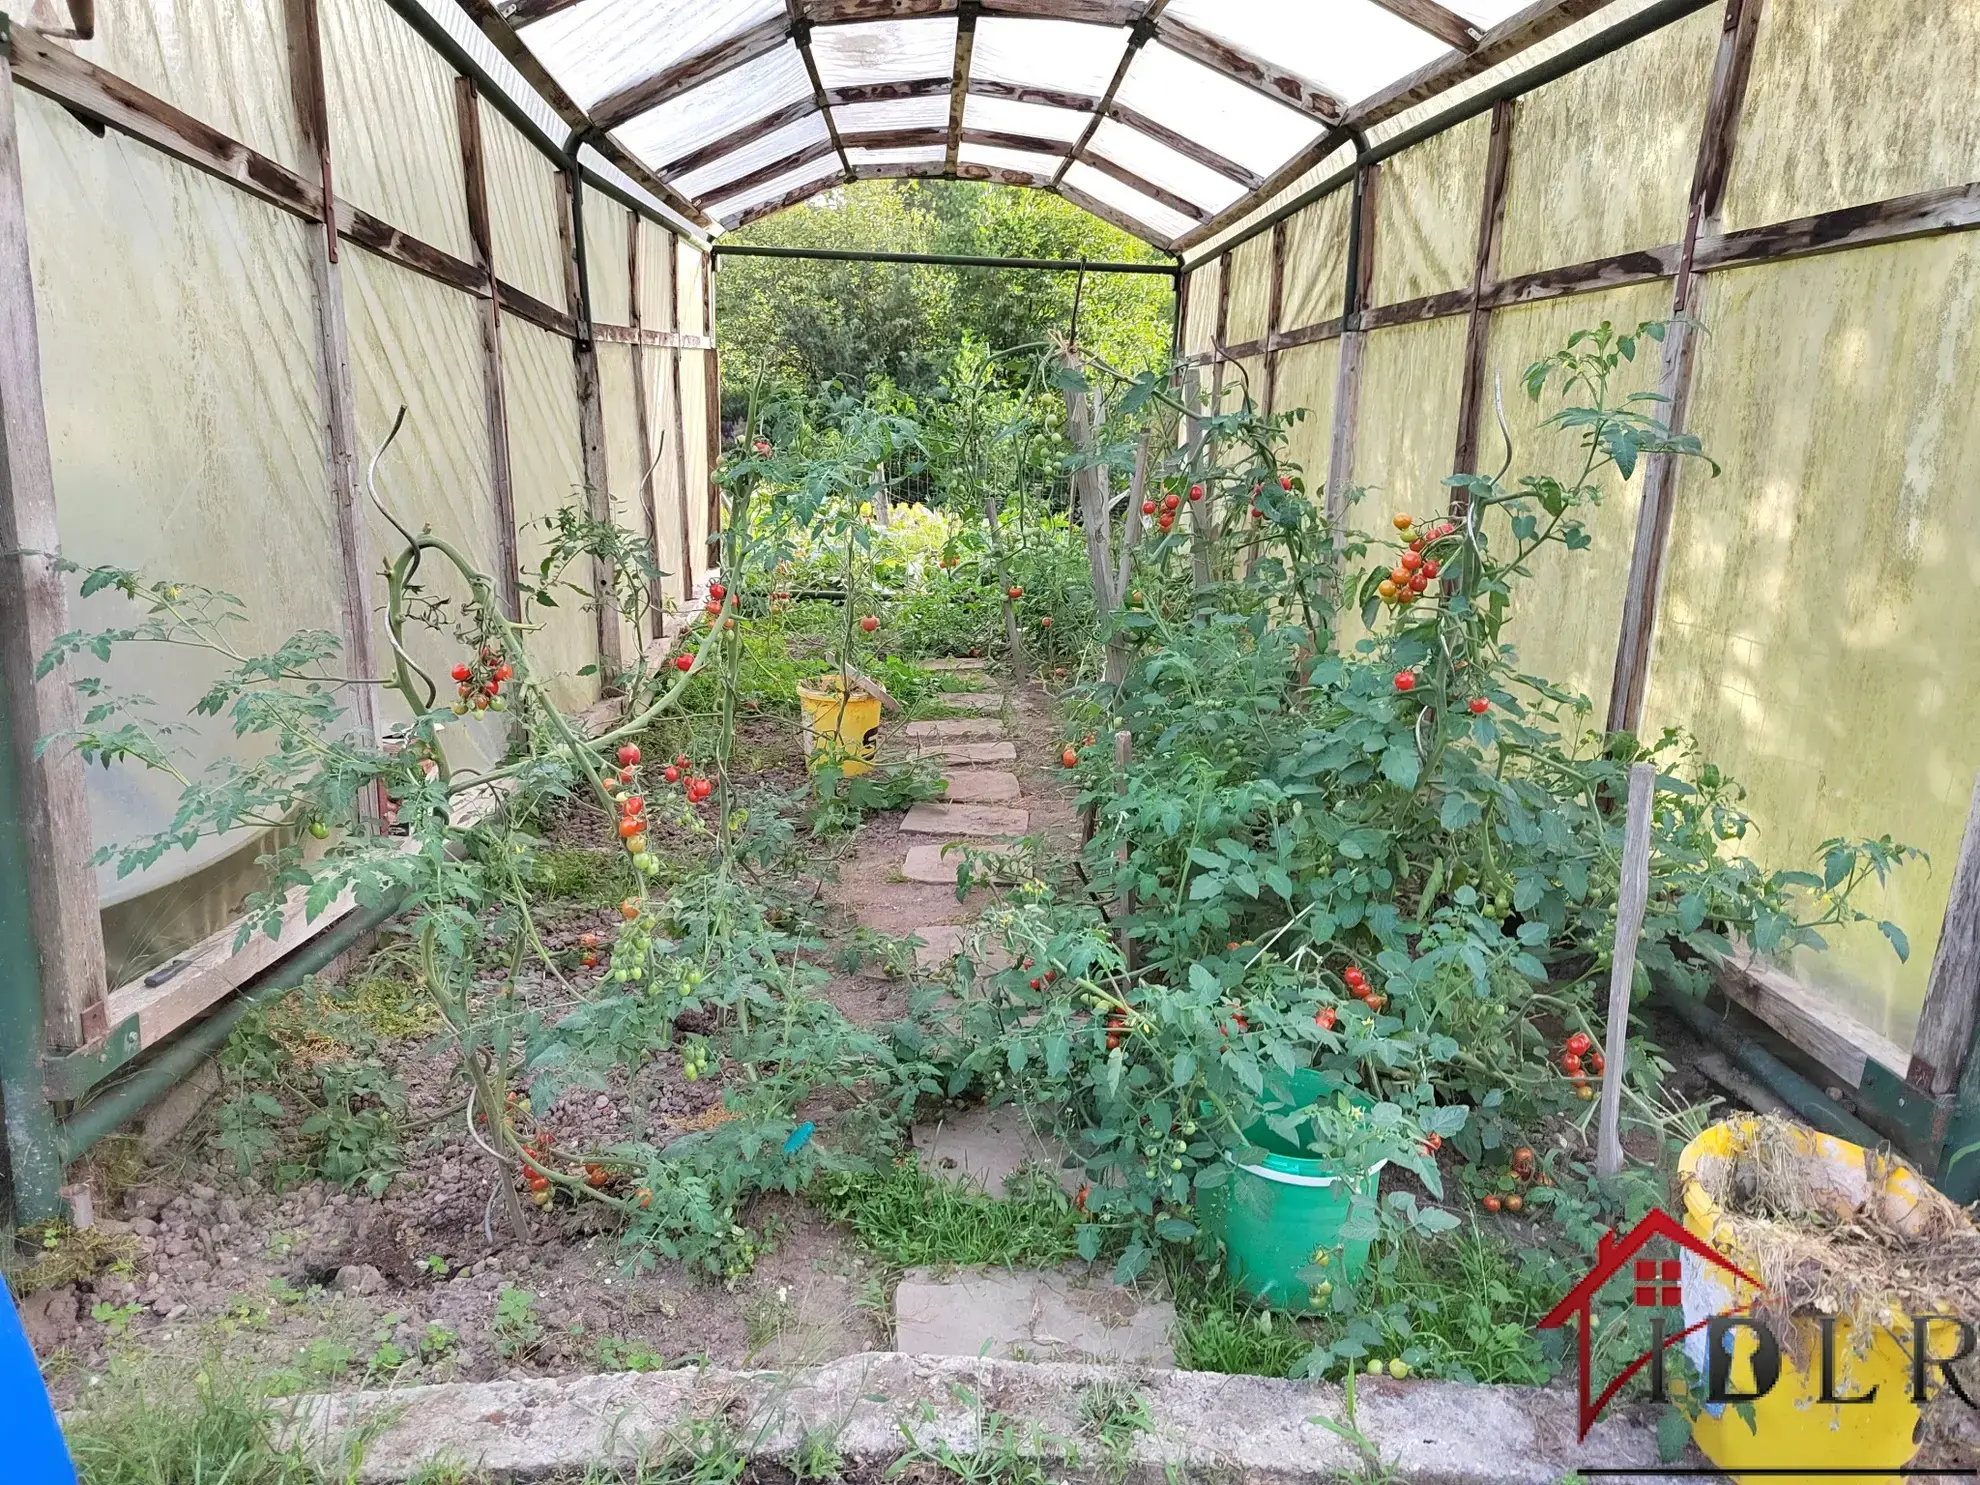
x=1155 y=177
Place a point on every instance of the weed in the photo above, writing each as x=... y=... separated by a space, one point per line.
x=910 y=1218
x=436 y=1343
x=147 y=1427
x=766 y=1316
x=115 y=1318
x=615 y=1355
x=65 y=1255
x=516 y=1328
x=586 y=877
x=1116 y=1412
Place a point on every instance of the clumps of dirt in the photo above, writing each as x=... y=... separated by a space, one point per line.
x=1830 y=1238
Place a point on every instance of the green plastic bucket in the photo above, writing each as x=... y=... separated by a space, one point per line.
x=1281 y=1217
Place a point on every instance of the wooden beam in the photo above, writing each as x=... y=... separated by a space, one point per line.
x=1642 y=266
x=494 y=395
x=1812 y=1022
x=1183 y=145
x=1944 y=1037
x=1900 y=219
x=1107 y=214
x=712 y=372
x=308 y=99
x=642 y=431
x=1088 y=12
x=959 y=77
x=1730 y=69
x=1295 y=168
x=690 y=72
x=1484 y=272
x=1446 y=25
x=522 y=306
x=680 y=421
x=1137 y=38
x=886 y=92
x=1178 y=204
x=1275 y=302
x=801 y=34
x=591 y=425
x=1347 y=380
x=1003 y=175
x=793 y=197
x=736 y=139
x=809 y=155
x=1287 y=340
x=66 y=926
x=1255 y=72
x=1508 y=39
x=494 y=25
x=641 y=335
x=849 y=12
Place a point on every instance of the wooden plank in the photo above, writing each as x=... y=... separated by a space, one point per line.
x=1899 y=219
x=712 y=372
x=494 y=394
x=1645 y=265
x=662 y=340
x=1001 y=175
x=1286 y=340
x=1446 y=25
x=107 y=99
x=303 y=37
x=1183 y=145
x=1944 y=1036
x=54 y=810
x=1508 y=39
x=800 y=30
x=1133 y=182
x=1137 y=38
x=591 y=426
x=885 y=92
x=1107 y=214
x=1279 y=180
x=1808 y=1019
x=1414 y=311
x=1275 y=303
x=1255 y=72
x=642 y=431
x=491 y=22
x=528 y=307
x=738 y=138
x=1484 y=272
x=379 y=236
x=793 y=197
x=690 y=72
x=743 y=184
x=1088 y=12
x=1347 y=381
x=959 y=78
x=1632 y=896
x=1243 y=350
x=1730 y=68
x=680 y=422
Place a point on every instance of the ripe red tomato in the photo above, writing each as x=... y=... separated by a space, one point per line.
x=632 y=804
x=1479 y=706
x=1409 y=562
x=1597 y=1063
x=1165 y=520
x=680 y=760
x=1285 y=482
x=1196 y=492
x=1045 y=622
x=717 y=592
x=628 y=756
x=461 y=672
x=628 y=909
x=1491 y=1203
x=869 y=623
x=1405 y=680
x=630 y=826
x=1326 y=1018
x=1579 y=1043
x=1148 y=507
x=1430 y=568
x=1171 y=502
x=684 y=662
x=672 y=774
x=1016 y=592
x=503 y=672
x=625 y=775
x=1069 y=758
x=1353 y=975
x=1571 y=1064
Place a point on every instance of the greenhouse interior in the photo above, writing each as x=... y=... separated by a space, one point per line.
x=1001 y=741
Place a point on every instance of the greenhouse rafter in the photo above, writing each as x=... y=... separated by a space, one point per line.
x=1168 y=118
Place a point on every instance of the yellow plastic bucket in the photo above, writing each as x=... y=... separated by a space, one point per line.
x=1790 y=1427
x=841 y=725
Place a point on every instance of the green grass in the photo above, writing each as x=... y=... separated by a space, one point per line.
x=910 y=1219
x=592 y=878
x=153 y=1428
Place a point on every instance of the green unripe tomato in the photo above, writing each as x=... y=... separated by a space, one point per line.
x=1374 y=1367
x=320 y=830
x=497 y=704
x=1399 y=1368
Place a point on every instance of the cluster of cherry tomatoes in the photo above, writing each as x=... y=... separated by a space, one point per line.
x=1285 y=483
x=1580 y=1057
x=632 y=811
x=596 y=1176
x=1069 y=756
x=713 y=608
x=1405 y=682
x=480 y=683
x=1167 y=510
x=1414 y=571
x=1358 y=987
x=1525 y=1170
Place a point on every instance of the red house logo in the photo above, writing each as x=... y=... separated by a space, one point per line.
x=1656 y=1285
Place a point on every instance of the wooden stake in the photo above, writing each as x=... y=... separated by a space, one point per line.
x=1940 y=1046
x=1632 y=896
x=711 y=370
x=1123 y=755
x=1485 y=272
x=67 y=930
x=680 y=420
x=1347 y=380
x=641 y=420
x=494 y=396
x=591 y=430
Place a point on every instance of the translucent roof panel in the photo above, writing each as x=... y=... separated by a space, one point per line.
x=1061 y=55
x=1210 y=108
x=819 y=170
x=1002 y=159
x=1161 y=222
x=772 y=147
x=596 y=48
x=1352 y=48
x=884 y=51
x=1485 y=14
x=895 y=113
x=930 y=154
x=1157 y=163
x=1037 y=120
x=717 y=108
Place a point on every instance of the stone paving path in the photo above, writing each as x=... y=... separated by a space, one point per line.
x=1003 y=777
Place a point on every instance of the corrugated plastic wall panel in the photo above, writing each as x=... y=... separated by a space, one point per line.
x=526 y=210
x=1411 y=379
x=1305 y=378
x=1251 y=290
x=1200 y=314
x=1822 y=601
x=1426 y=214
x=623 y=468
x=1316 y=261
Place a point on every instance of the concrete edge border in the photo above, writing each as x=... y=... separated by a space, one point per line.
x=870 y=1409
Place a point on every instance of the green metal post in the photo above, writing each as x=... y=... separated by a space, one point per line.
x=34 y=1165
